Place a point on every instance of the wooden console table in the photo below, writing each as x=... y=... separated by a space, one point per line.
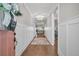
x=7 y=45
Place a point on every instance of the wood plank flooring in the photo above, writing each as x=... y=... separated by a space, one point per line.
x=41 y=50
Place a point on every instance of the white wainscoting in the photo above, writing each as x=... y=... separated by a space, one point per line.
x=49 y=32
x=24 y=35
x=68 y=38
x=62 y=40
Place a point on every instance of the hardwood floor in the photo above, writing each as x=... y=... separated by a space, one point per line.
x=41 y=50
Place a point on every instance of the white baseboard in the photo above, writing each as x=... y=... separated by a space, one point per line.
x=60 y=53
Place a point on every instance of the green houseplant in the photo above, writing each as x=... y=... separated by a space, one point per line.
x=10 y=11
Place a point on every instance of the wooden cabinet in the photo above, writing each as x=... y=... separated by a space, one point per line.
x=7 y=43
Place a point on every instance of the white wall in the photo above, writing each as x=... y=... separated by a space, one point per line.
x=49 y=31
x=68 y=10
x=24 y=30
x=26 y=15
x=68 y=30
x=24 y=36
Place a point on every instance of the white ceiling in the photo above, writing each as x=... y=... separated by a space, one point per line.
x=41 y=8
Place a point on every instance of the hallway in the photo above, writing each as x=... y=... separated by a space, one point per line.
x=40 y=46
x=40 y=19
x=39 y=29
